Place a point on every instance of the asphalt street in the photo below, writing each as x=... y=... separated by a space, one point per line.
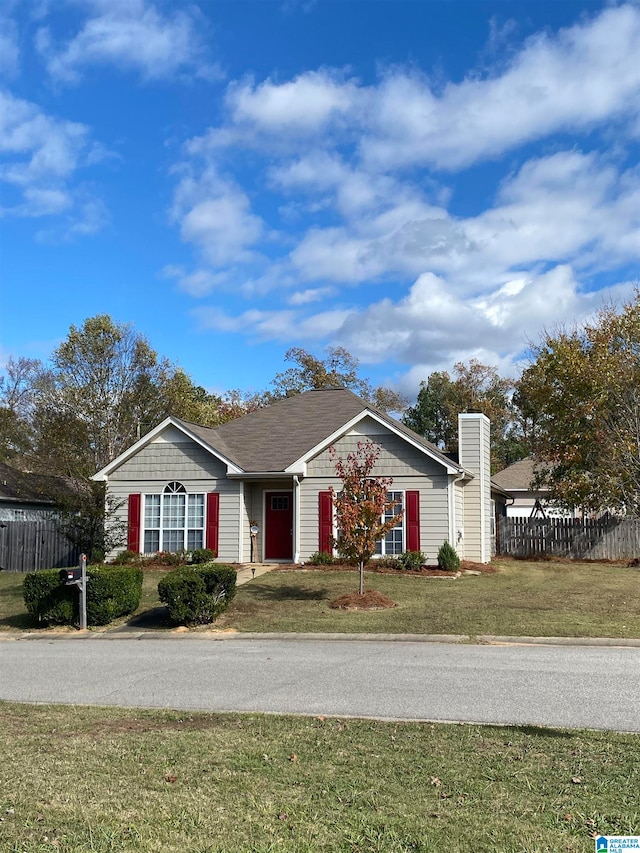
x=591 y=687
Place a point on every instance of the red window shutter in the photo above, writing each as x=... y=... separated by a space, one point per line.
x=412 y=519
x=133 y=528
x=213 y=521
x=325 y=522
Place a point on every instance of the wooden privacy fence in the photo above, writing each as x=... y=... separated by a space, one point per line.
x=596 y=539
x=27 y=546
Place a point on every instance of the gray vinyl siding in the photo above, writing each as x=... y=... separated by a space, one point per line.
x=309 y=512
x=434 y=514
x=474 y=449
x=161 y=462
x=408 y=467
x=165 y=461
x=398 y=458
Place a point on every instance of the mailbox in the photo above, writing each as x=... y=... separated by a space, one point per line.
x=69 y=576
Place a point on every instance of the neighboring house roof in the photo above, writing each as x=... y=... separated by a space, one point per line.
x=518 y=477
x=20 y=487
x=275 y=438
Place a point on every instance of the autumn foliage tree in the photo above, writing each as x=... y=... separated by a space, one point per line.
x=584 y=385
x=340 y=369
x=361 y=505
x=475 y=387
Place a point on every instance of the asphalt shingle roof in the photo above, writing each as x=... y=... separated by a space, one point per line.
x=273 y=438
x=17 y=486
x=518 y=476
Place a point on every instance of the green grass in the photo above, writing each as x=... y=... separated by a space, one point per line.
x=521 y=599
x=121 y=781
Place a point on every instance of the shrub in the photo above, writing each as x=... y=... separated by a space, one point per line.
x=112 y=591
x=202 y=555
x=321 y=558
x=48 y=600
x=197 y=595
x=384 y=563
x=168 y=558
x=412 y=561
x=448 y=558
x=127 y=558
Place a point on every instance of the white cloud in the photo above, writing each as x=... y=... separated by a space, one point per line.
x=198 y=283
x=41 y=156
x=313 y=294
x=215 y=215
x=577 y=79
x=304 y=105
x=9 y=48
x=369 y=179
x=281 y=325
x=133 y=35
x=583 y=76
x=37 y=145
x=434 y=325
x=87 y=216
x=567 y=207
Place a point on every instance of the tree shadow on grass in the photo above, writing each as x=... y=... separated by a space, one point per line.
x=156 y=618
x=21 y=622
x=537 y=731
x=289 y=592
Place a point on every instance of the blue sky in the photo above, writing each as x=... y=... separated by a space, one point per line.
x=419 y=181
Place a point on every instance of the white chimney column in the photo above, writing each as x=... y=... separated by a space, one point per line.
x=474 y=454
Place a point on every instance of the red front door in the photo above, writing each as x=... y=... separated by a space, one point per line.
x=278 y=522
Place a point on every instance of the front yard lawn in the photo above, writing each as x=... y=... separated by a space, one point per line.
x=81 y=779
x=521 y=599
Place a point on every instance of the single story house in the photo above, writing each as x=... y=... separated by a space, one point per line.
x=30 y=497
x=518 y=481
x=29 y=536
x=258 y=488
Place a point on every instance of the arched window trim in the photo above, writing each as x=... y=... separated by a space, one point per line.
x=173 y=520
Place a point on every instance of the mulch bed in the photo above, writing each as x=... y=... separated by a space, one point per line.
x=425 y=571
x=370 y=600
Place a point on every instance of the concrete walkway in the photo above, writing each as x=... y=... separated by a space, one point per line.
x=248 y=571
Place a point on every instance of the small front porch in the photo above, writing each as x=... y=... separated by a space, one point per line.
x=270 y=508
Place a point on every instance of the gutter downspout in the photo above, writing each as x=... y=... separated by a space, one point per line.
x=454 y=526
x=241 y=514
x=296 y=519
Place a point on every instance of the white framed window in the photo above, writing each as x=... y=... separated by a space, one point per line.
x=173 y=520
x=393 y=542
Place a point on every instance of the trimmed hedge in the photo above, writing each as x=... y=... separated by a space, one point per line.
x=196 y=595
x=112 y=591
x=48 y=600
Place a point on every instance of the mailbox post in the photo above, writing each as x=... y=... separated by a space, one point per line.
x=78 y=577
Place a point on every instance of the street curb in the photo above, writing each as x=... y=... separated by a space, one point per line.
x=490 y=639
x=482 y=639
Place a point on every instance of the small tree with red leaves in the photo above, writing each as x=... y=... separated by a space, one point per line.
x=361 y=505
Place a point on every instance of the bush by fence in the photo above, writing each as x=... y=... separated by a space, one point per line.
x=196 y=595
x=112 y=591
x=606 y=538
